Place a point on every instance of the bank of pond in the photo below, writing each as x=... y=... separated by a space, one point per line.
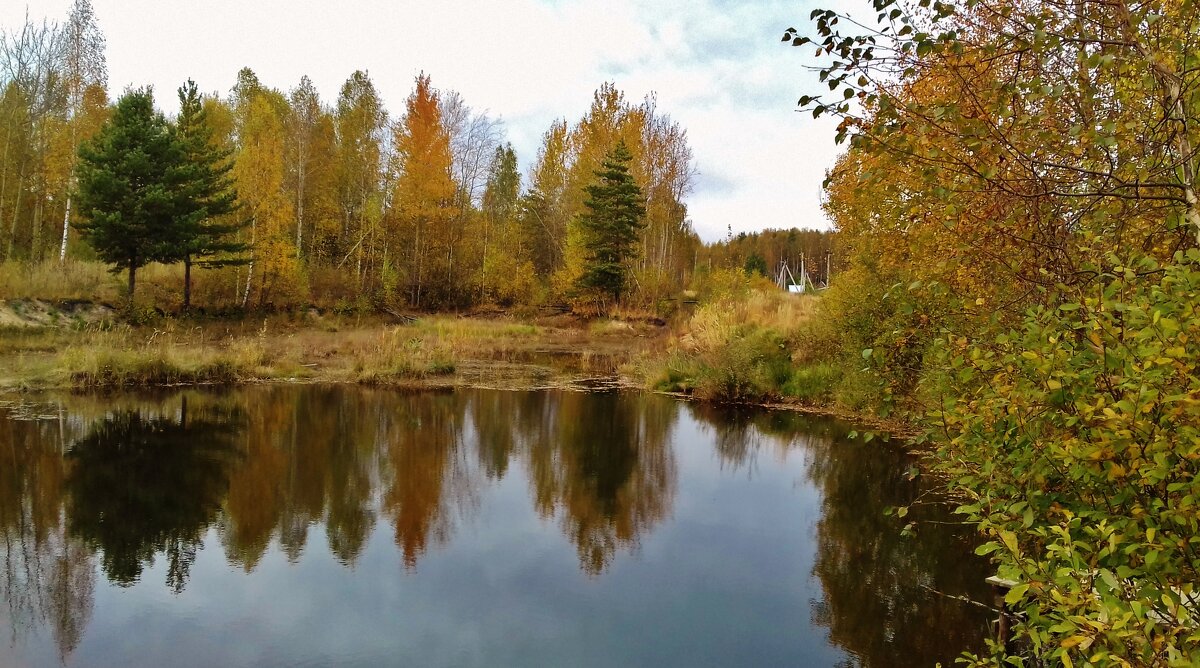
x=347 y=525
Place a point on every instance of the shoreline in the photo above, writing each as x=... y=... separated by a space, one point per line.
x=434 y=352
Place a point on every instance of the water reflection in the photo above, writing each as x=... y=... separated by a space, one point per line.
x=140 y=486
x=123 y=485
x=870 y=611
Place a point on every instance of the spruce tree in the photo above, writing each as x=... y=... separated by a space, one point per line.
x=129 y=175
x=205 y=195
x=610 y=223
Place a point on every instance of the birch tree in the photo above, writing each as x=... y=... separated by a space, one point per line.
x=84 y=67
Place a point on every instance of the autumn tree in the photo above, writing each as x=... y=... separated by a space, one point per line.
x=661 y=165
x=34 y=104
x=668 y=243
x=129 y=176
x=259 y=173
x=589 y=142
x=543 y=212
x=507 y=273
x=423 y=199
x=1021 y=187
x=612 y=218
x=311 y=168
x=360 y=120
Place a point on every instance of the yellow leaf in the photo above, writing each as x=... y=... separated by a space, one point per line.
x=1071 y=642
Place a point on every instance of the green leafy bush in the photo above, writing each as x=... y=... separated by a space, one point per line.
x=1075 y=439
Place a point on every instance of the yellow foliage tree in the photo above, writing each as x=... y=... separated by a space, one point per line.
x=259 y=172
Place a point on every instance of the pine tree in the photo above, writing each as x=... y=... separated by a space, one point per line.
x=129 y=177
x=612 y=218
x=206 y=194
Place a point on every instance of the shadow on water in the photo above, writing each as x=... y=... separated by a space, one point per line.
x=124 y=485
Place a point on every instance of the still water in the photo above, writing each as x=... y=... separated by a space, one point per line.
x=312 y=526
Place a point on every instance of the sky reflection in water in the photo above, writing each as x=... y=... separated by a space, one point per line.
x=317 y=525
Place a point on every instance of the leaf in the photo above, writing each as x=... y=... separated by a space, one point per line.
x=1015 y=594
x=1072 y=641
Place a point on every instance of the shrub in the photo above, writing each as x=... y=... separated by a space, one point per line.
x=1075 y=439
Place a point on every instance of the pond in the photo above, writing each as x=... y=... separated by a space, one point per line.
x=335 y=525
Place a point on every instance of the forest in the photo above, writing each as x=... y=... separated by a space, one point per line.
x=342 y=201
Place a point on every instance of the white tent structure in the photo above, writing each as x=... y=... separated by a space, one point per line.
x=786 y=280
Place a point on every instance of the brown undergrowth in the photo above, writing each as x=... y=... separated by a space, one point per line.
x=433 y=350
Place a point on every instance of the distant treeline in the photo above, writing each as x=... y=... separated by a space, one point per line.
x=766 y=251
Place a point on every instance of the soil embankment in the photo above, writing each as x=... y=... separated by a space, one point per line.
x=36 y=313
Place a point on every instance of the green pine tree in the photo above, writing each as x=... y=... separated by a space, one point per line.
x=205 y=196
x=129 y=175
x=610 y=223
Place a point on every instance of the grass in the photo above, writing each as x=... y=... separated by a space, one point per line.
x=434 y=350
x=739 y=347
x=73 y=279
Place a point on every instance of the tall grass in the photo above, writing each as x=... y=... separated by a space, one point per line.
x=122 y=358
x=52 y=280
x=738 y=346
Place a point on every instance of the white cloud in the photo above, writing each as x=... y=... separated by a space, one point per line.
x=717 y=66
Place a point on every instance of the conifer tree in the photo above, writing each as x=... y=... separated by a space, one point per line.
x=612 y=218
x=129 y=177
x=205 y=195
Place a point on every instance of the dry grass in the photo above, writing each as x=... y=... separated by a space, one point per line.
x=124 y=356
x=738 y=346
x=73 y=279
x=277 y=347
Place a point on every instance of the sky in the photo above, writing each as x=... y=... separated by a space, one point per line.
x=718 y=67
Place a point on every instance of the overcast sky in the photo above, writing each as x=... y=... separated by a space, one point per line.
x=717 y=66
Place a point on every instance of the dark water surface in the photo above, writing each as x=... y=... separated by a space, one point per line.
x=312 y=526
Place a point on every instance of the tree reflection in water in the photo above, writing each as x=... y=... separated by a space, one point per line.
x=48 y=575
x=607 y=470
x=126 y=481
x=139 y=486
x=881 y=601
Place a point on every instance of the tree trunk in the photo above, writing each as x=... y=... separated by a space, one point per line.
x=187 y=282
x=16 y=213
x=35 y=242
x=132 y=280
x=62 y=251
x=4 y=178
x=300 y=205
x=249 y=280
